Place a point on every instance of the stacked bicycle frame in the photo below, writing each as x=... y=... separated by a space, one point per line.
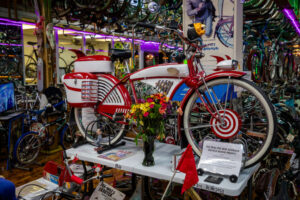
x=268 y=42
x=117 y=15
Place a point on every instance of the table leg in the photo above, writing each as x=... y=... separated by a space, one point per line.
x=250 y=188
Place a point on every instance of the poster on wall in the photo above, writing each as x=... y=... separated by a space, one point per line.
x=218 y=18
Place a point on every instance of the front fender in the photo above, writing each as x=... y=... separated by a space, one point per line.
x=221 y=74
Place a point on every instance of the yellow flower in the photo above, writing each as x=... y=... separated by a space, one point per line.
x=132 y=110
x=142 y=123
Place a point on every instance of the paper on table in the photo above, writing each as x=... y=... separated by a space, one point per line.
x=221 y=158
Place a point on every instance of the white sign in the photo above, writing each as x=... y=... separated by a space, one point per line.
x=221 y=158
x=106 y=192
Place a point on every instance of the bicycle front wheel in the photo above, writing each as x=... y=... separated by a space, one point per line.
x=243 y=114
x=27 y=148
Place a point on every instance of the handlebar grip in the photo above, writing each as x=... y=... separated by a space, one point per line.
x=76 y=179
x=145 y=25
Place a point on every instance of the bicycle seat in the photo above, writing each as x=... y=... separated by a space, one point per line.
x=31 y=43
x=120 y=54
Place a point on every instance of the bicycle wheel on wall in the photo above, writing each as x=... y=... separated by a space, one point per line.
x=31 y=72
x=88 y=122
x=256 y=65
x=27 y=148
x=272 y=65
x=225 y=34
x=247 y=115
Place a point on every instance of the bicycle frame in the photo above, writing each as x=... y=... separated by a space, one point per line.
x=113 y=97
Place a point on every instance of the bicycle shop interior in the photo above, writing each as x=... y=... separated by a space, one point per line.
x=150 y=99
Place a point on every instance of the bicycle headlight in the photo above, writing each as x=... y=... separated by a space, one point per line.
x=195 y=31
x=200 y=28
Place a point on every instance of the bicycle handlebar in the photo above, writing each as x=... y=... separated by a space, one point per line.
x=145 y=25
x=77 y=179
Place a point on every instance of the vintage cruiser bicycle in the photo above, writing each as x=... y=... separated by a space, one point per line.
x=221 y=105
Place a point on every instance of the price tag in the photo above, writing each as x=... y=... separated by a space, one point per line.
x=221 y=158
x=106 y=192
x=290 y=138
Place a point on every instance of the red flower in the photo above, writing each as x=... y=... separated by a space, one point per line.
x=146 y=114
x=151 y=105
x=164 y=106
x=149 y=100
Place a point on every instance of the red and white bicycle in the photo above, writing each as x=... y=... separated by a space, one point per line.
x=221 y=105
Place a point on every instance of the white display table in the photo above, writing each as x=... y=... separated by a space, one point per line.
x=163 y=155
x=34 y=192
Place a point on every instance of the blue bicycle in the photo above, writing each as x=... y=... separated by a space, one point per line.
x=29 y=144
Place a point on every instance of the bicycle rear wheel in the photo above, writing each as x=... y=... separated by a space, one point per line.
x=247 y=115
x=88 y=122
x=27 y=148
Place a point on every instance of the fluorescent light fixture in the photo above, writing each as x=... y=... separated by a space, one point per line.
x=27 y=26
x=289 y=13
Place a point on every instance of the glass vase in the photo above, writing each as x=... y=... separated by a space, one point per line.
x=148 y=149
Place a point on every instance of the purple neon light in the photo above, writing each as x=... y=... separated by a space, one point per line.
x=10 y=24
x=86 y=32
x=5 y=44
x=292 y=17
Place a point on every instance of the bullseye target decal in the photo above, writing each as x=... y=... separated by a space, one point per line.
x=229 y=126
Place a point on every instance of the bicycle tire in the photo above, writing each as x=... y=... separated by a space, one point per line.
x=224 y=34
x=291 y=68
x=29 y=145
x=253 y=120
x=285 y=68
x=280 y=66
x=67 y=137
x=88 y=129
x=272 y=65
x=29 y=59
x=31 y=72
x=256 y=65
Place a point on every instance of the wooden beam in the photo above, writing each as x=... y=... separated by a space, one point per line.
x=48 y=72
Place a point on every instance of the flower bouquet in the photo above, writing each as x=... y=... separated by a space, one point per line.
x=149 y=116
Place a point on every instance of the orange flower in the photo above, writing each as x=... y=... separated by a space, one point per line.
x=162 y=110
